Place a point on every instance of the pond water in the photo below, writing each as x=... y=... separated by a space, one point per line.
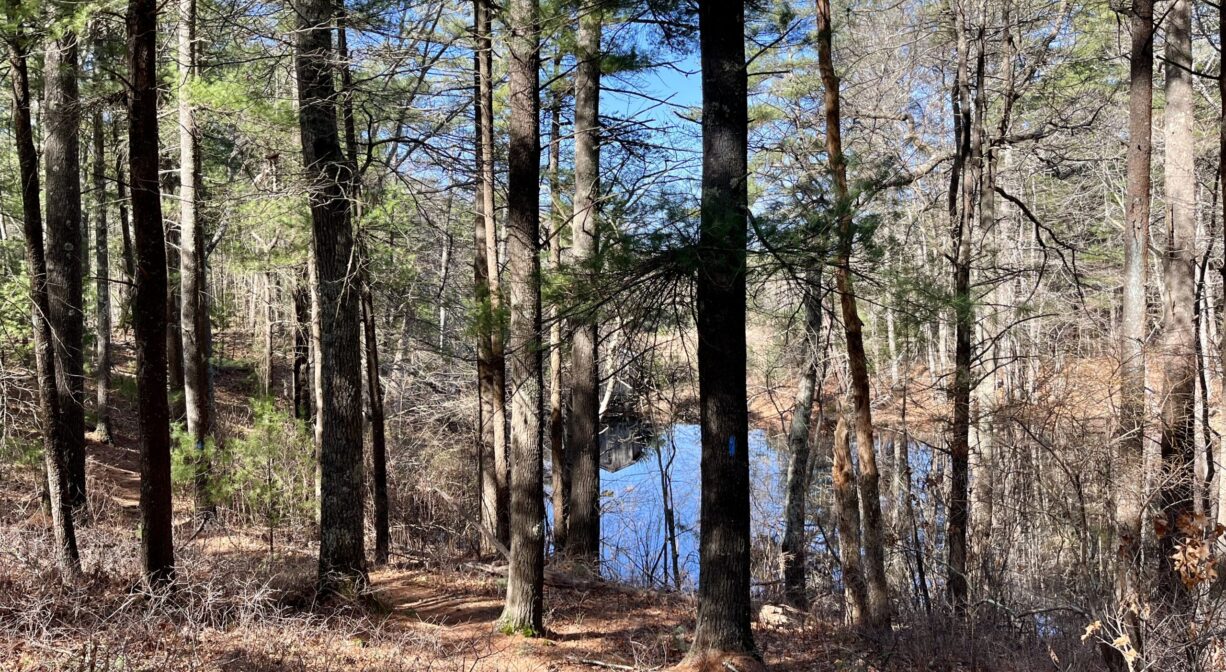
x=632 y=525
x=634 y=535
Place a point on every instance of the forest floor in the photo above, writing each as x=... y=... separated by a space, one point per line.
x=240 y=606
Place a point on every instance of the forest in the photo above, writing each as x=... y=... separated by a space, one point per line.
x=584 y=335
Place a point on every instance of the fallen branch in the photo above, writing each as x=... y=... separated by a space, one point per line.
x=611 y=666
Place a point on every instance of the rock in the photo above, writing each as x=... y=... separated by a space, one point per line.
x=780 y=616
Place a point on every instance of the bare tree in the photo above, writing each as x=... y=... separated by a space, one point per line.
x=1130 y=480
x=1178 y=349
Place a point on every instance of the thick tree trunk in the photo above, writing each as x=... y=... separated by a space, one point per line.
x=490 y=480
x=64 y=251
x=192 y=272
x=1177 y=388
x=524 y=611
x=102 y=284
x=583 y=532
x=878 y=615
x=723 y=587
x=794 y=538
x=56 y=443
x=341 y=549
x=1130 y=462
x=149 y=295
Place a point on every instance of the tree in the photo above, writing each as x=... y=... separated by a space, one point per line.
x=1178 y=349
x=370 y=340
x=56 y=442
x=102 y=365
x=723 y=589
x=198 y=395
x=524 y=610
x=494 y=465
x=341 y=549
x=1130 y=477
x=878 y=616
x=65 y=252
x=583 y=532
x=966 y=169
x=558 y=456
x=794 y=541
x=149 y=295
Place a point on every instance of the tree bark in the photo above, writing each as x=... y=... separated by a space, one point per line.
x=56 y=443
x=1177 y=388
x=497 y=389
x=64 y=252
x=724 y=563
x=583 y=532
x=847 y=512
x=102 y=368
x=1129 y=468
x=192 y=270
x=378 y=433
x=524 y=612
x=491 y=481
x=969 y=144
x=303 y=402
x=878 y=615
x=794 y=538
x=149 y=295
x=559 y=469
x=341 y=550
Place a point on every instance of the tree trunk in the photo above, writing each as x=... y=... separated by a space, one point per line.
x=523 y=612
x=121 y=195
x=1220 y=408
x=64 y=251
x=559 y=469
x=378 y=434
x=878 y=615
x=847 y=511
x=102 y=368
x=192 y=270
x=149 y=295
x=969 y=148
x=723 y=587
x=303 y=402
x=583 y=531
x=491 y=482
x=497 y=392
x=341 y=549
x=56 y=442
x=1129 y=466
x=794 y=539
x=1178 y=354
